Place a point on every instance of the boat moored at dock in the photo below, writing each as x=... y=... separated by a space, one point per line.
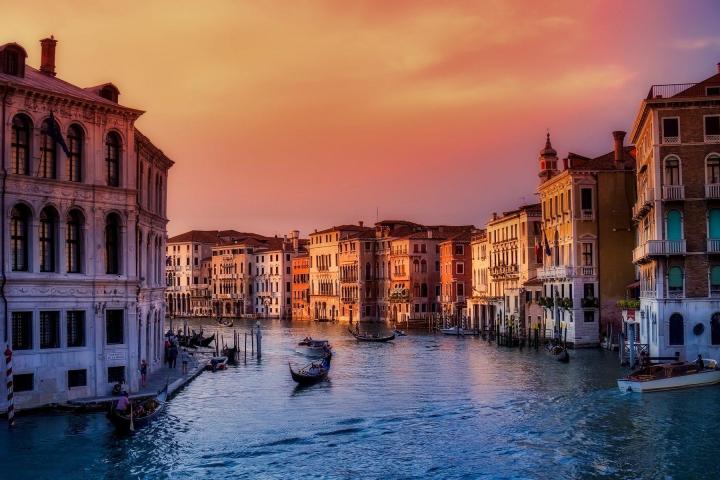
x=671 y=376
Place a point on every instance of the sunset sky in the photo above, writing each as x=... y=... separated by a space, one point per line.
x=306 y=114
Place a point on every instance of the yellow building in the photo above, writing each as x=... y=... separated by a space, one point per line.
x=587 y=240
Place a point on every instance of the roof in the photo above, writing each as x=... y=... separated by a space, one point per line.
x=145 y=142
x=36 y=80
x=196 y=236
x=603 y=162
x=341 y=228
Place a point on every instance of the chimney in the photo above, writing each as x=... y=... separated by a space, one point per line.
x=618 y=137
x=360 y=223
x=47 y=56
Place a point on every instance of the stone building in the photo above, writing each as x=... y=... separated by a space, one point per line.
x=273 y=276
x=480 y=306
x=587 y=239
x=677 y=135
x=301 y=286
x=455 y=273
x=358 y=287
x=83 y=235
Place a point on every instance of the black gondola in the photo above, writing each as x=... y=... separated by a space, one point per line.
x=226 y=323
x=371 y=338
x=130 y=423
x=313 y=372
x=205 y=342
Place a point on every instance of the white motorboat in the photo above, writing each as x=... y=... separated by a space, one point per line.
x=457 y=331
x=671 y=376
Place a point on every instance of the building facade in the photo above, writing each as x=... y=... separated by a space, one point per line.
x=83 y=235
x=677 y=134
x=301 y=286
x=585 y=206
x=455 y=273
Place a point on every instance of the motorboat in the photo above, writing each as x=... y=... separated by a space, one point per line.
x=671 y=376
x=313 y=348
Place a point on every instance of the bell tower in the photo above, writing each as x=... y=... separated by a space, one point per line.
x=548 y=161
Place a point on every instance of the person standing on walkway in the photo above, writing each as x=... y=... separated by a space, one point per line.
x=173 y=355
x=167 y=352
x=184 y=359
x=143 y=372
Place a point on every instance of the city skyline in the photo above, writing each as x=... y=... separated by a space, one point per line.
x=378 y=98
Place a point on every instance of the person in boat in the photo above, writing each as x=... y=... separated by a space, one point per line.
x=123 y=404
x=644 y=359
x=699 y=363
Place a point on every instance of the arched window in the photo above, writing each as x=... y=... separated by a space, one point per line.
x=19 y=243
x=675 y=281
x=714 y=223
x=74 y=160
x=423 y=290
x=677 y=330
x=672 y=171
x=423 y=266
x=712 y=169
x=112 y=158
x=48 y=152
x=674 y=225
x=20 y=145
x=112 y=244
x=715 y=329
x=416 y=266
x=73 y=241
x=47 y=236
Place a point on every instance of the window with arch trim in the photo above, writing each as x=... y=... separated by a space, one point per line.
x=672 y=171
x=48 y=153
x=113 y=148
x=47 y=236
x=19 y=238
x=20 y=145
x=715 y=329
x=112 y=244
x=73 y=241
x=676 y=330
x=675 y=281
x=73 y=168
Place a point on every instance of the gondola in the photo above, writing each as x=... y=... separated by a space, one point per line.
x=399 y=333
x=313 y=372
x=371 y=338
x=560 y=353
x=130 y=423
x=217 y=363
x=205 y=342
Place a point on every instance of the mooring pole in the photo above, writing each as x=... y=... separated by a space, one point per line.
x=245 y=347
x=258 y=333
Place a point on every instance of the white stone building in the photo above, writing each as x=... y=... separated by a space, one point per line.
x=82 y=235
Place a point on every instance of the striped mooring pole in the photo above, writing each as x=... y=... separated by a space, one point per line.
x=9 y=378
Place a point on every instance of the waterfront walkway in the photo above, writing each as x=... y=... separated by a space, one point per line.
x=156 y=381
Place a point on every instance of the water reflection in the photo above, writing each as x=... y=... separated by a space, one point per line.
x=422 y=406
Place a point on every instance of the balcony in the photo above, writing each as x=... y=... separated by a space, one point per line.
x=668 y=90
x=560 y=271
x=644 y=202
x=504 y=271
x=673 y=192
x=659 y=248
x=585 y=271
x=712 y=138
x=587 y=215
x=712 y=190
x=713 y=245
x=671 y=140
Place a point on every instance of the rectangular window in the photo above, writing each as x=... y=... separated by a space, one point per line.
x=712 y=91
x=712 y=128
x=587 y=254
x=589 y=290
x=76 y=328
x=460 y=268
x=459 y=250
x=114 y=327
x=25 y=382
x=22 y=330
x=586 y=199
x=77 y=378
x=671 y=130
x=116 y=374
x=589 y=316
x=49 y=329
x=461 y=289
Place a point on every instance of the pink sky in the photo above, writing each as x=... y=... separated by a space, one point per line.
x=283 y=115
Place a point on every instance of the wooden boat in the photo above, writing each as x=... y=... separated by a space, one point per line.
x=205 y=342
x=670 y=376
x=559 y=352
x=371 y=338
x=458 y=331
x=313 y=348
x=313 y=372
x=225 y=323
x=324 y=320
x=131 y=422
x=217 y=363
x=399 y=333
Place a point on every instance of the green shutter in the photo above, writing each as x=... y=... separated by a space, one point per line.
x=674 y=225
x=675 y=279
x=715 y=276
x=714 y=223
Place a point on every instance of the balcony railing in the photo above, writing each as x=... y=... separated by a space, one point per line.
x=669 y=90
x=712 y=138
x=670 y=140
x=585 y=271
x=560 y=271
x=644 y=202
x=503 y=270
x=673 y=192
x=676 y=293
x=713 y=245
x=712 y=190
x=659 y=248
x=586 y=215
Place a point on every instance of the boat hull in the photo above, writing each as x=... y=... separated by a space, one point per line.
x=710 y=377
x=457 y=332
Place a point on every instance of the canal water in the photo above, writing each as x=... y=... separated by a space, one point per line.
x=423 y=406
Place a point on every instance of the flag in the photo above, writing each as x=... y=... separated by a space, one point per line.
x=548 y=252
x=53 y=131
